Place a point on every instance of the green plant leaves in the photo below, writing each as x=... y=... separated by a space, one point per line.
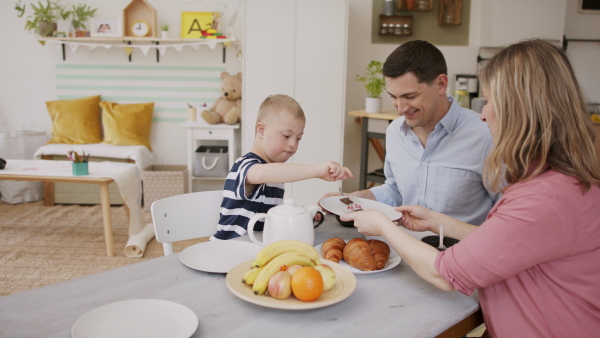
x=373 y=79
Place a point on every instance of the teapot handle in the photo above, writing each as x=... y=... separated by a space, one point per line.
x=320 y=222
x=251 y=228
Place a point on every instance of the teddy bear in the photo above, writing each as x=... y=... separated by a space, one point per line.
x=227 y=108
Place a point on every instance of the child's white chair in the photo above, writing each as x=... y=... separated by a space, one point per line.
x=186 y=216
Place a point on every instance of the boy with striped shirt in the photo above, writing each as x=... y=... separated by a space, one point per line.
x=256 y=181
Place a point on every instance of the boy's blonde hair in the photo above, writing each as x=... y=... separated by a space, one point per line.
x=274 y=105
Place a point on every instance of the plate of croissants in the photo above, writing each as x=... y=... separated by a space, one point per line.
x=360 y=255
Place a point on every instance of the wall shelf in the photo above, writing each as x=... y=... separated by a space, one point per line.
x=142 y=43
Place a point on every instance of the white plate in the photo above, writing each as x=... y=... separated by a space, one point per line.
x=345 y=284
x=137 y=318
x=335 y=206
x=393 y=261
x=218 y=256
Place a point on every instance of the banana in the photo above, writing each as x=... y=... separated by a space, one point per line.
x=277 y=248
x=250 y=275
x=289 y=258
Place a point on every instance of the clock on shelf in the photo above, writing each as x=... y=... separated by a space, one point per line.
x=139 y=19
x=140 y=28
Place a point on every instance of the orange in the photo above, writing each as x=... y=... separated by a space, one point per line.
x=307 y=284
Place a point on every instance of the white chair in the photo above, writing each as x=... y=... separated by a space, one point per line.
x=186 y=216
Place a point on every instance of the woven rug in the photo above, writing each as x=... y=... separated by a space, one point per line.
x=42 y=245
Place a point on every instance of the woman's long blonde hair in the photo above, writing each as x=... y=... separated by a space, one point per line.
x=542 y=117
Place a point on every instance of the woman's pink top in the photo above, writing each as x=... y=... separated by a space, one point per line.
x=535 y=260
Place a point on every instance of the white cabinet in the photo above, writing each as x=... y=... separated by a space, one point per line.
x=509 y=21
x=199 y=133
x=298 y=48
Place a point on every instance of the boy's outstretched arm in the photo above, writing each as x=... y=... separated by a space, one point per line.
x=293 y=172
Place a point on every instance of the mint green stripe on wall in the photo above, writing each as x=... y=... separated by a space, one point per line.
x=138 y=88
x=127 y=99
x=143 y=67
x=169 y=119
x=91 y=77
x=171 y=87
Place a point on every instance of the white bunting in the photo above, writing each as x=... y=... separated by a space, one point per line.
x=73 y=47
x=145 y=49
x=162 y=49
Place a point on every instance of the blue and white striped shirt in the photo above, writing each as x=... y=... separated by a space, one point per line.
x=238 y=206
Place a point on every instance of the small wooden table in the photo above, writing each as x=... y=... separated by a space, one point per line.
x=364 y=142
x=104 y=196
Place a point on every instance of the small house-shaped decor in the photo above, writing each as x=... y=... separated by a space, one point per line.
x=139 y=19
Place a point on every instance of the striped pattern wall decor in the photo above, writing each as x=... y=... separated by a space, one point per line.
x=170 y=87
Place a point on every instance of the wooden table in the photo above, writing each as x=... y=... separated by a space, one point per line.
x=388 y=115
x=393 y=303
x=103 y=182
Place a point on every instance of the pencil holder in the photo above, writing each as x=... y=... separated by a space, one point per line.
x=80 y=169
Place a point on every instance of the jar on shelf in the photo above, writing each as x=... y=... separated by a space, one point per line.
x=424 y=5
x=398 y=29
x=406 y=29
x=384 y=29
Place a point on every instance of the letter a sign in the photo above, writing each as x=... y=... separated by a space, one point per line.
x=193 y=24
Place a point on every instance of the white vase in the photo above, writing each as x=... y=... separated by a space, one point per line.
x=373 y=105
x=164 y=34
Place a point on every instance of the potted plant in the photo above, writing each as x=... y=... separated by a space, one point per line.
x=42 y=20
x=374 y=83
x=79 y=15
x=164 y=30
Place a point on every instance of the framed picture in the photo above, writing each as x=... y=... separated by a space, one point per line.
x=589 y=6
x=195 y=24
x=106 y=28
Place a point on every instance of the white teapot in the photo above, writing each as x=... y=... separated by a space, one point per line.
x=287 y=221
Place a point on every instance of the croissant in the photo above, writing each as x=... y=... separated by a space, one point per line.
x=333 y=248
x=357 y=253
x=380 y=251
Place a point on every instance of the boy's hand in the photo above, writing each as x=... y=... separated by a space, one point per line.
x=334 y=171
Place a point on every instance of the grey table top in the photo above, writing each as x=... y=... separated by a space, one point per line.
x=395 y=303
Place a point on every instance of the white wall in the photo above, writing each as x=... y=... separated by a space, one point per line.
x=584 y=55
x=27 y=69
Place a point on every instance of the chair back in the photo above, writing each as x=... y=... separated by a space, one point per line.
x=186 y=216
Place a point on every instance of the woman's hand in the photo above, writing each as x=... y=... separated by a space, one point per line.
x=417 y=218
x=369 y=223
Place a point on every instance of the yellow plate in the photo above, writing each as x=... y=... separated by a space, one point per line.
x=345 y=283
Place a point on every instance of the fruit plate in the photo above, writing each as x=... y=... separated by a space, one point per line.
x=345 y=283
x=392 y=262
x=335 y=206
x=218 y=256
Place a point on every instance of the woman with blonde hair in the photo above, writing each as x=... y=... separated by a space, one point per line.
x=534 y=261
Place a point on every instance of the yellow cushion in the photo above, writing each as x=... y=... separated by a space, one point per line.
x=127 y=124
x=75 y=121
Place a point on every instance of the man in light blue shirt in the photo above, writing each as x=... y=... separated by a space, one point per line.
x=436 y=149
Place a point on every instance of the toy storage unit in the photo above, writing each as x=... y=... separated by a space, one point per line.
x=162 y=181
x=201 y=134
